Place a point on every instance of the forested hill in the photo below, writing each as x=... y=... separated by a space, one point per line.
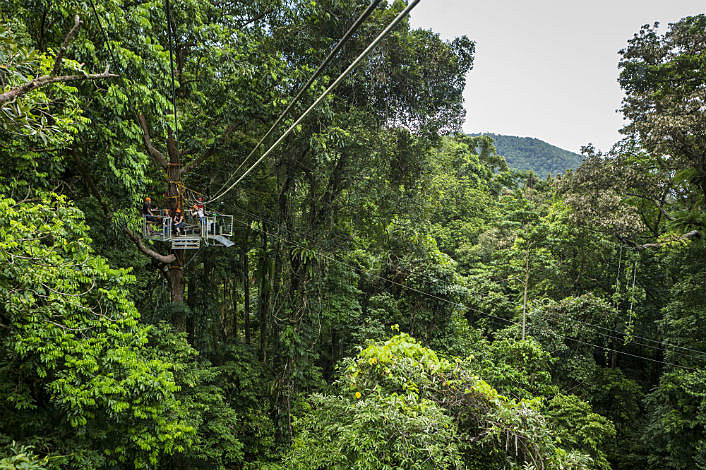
x=528 y=153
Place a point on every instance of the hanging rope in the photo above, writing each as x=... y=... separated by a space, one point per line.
x=632 y=293
x=105 y=35
x=616 y=291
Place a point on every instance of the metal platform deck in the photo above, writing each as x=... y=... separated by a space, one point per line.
x=186 y=242
x=210 y=230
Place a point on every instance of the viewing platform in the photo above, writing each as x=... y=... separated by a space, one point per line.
x=212 y=229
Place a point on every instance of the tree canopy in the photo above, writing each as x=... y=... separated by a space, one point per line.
x=396 y=296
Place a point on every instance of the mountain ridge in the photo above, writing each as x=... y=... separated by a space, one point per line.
x=530 y=153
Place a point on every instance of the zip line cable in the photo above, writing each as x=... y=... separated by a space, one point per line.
x=306 y=86
x=658 y=342
x=105 y=35
x=636 y=356
x=350 y=31
x=458 y=304
x=557 y=318
x=687 y=352
x=338 y=80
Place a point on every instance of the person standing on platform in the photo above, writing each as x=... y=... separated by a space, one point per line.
x=178 y=223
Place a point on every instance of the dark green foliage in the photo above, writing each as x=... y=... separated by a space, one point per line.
x=206 y=408
x=559 y=322
x=676 y=432
x=578 y=428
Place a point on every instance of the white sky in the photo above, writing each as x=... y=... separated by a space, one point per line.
x=547 y=69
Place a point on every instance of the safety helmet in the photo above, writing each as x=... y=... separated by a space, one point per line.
x=147 y=199
x=178 y=211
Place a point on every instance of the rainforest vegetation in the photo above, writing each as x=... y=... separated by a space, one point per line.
x=396 y=296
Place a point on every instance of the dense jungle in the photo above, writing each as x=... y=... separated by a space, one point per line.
x=395 y=296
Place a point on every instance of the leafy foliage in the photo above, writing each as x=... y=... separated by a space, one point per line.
x=558 y=322
x=399 y=404
x=73 y=347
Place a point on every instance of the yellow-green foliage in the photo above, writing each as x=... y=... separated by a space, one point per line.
x=73 y=349
x=401 y=405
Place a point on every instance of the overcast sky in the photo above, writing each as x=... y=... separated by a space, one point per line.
x=547 y=69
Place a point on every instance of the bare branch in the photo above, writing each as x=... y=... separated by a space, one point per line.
x=64 y=45
x=154 y=153
x=44 y=80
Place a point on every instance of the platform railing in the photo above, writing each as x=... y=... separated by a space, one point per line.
x=225 y=225
x=158 y=228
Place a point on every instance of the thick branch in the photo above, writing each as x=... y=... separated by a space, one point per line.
x=657 y=203
x=154 y=153
x=165 y=259
x=197 y=162
x=64 y=45
x=93 y=189
x=686 y=236
x=44 y=80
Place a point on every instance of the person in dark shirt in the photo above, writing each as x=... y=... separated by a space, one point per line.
x=147 y=211
x=149 y=216
x=178 y=222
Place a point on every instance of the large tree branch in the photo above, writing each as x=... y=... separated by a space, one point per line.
x=657 y=204
x=93 y=189
x=64 y=45
x=165 y=259
x=44 y=80
x=686 y=236
x=197 y=162
x=154 y=153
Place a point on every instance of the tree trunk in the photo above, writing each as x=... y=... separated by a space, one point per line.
x=175 y=277
x=176 y=273
x=524 y=296
x=246 y=289
x=234 y=298
x=263 y=299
